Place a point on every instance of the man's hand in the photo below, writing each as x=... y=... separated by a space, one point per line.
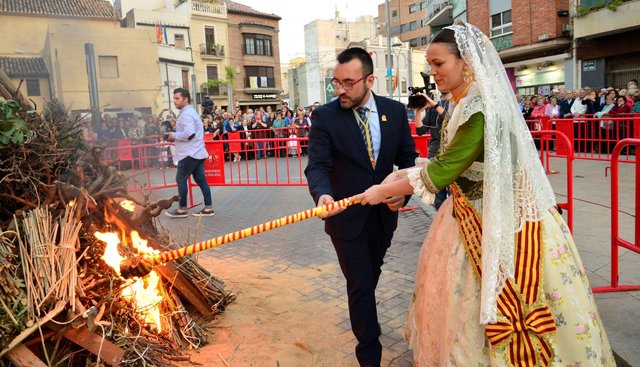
x=327 y=199
x=394 y=203
x=170 y=135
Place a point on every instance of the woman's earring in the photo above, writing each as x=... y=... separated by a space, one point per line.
x=467 y=75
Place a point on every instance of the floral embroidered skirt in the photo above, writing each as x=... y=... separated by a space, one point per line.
x=443 y=326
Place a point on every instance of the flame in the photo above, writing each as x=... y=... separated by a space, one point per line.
x=72 y=203
x=128 y=205
x=143 y=293
x=111 y=255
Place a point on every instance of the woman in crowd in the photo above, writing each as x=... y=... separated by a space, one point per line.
x=499 y=280
x=552 y=110
x=302 y=123
x=539 y=109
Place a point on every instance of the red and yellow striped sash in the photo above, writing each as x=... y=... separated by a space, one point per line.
x=525 y=322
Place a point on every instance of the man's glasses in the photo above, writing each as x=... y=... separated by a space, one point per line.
x=347 y=84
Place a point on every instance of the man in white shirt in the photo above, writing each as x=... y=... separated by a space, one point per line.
x=189 y=155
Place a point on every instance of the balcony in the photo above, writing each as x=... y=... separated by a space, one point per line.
x=593 y=20
x=209 y=10
x=170 y=52
x=215 y=92
x=212 y=50
x=439 y=13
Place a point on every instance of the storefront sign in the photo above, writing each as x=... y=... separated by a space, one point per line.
x=589 y=65
x=265 y=96
x=549 y=77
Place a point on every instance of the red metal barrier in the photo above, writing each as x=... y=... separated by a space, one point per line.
x=568 y=205
x=616 y=240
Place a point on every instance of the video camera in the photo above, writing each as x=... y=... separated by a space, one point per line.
x=417 y=101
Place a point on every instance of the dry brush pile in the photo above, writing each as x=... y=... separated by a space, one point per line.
x=60 y=303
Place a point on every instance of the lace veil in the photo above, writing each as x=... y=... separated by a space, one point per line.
x=515 y=185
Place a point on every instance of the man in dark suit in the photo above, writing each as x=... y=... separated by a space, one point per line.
x=354 y=142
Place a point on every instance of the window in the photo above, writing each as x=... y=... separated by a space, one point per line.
x=212 y=74
x=403 y=85
x=33 y=87
x=108 y=66
x=394 y=16
x=413 y=25
x=501 y=23
x=209 y=36
x=259 y=77
x=414 y=8
x=414 y=42
x=185 y=79
x=386 y=61
x=178 y=40
x=258 y=44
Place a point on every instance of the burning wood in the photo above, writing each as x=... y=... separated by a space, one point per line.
x=62 y=298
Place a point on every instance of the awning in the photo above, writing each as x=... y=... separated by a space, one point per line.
x=259 y=102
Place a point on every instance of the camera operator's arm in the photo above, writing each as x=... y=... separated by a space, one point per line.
x=420 y=128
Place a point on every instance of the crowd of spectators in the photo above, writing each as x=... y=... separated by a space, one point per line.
x=583 y=103
x=250 y=126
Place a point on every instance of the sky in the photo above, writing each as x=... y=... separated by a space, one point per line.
x=296 y=13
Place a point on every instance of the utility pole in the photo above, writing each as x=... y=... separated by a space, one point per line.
x=389 y=56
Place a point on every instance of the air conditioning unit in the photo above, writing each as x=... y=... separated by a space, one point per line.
x=543 y=37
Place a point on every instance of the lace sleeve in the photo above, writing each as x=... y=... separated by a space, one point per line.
x=419 y=187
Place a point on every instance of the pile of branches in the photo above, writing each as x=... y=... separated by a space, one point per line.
x=60 y=303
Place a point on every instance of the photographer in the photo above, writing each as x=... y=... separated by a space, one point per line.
x=432 y=122
x=207 y=106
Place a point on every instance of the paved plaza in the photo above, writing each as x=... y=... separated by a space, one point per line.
x=305 y=245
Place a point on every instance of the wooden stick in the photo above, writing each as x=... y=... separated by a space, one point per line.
x=223 y=360
x=28 y=331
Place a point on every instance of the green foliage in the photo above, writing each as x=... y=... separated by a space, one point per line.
x=611 y=5
x=13 y=129
x=229 y=72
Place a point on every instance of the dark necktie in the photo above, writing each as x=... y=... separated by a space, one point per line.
x=363 y=124
x=362 y=112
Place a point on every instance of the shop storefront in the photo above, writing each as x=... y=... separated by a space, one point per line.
x=539 y=79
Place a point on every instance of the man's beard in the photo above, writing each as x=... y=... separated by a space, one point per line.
x=355 y=102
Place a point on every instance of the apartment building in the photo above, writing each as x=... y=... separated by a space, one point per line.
x=254 y=55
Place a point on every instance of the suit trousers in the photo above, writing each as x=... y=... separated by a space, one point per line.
x=361 y=260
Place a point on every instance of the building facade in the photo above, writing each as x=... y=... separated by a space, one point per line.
x=31 y=75
x=324 y=40
x=58 y=31
x=409 y=21
x=171 y=27
x=255 y=57
x=607 y=46
x=533 y=39
x=210 y=35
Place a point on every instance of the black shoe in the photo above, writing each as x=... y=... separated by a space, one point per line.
x=204 y=213
x=177 y=213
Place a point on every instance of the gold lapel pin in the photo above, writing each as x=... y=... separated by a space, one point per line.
x=384 y=118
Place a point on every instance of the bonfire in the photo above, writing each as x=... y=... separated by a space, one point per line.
x=66 y=224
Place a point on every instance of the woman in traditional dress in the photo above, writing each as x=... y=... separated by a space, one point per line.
x=499 y=280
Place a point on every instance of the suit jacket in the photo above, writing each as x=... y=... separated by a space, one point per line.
x=339 y=164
